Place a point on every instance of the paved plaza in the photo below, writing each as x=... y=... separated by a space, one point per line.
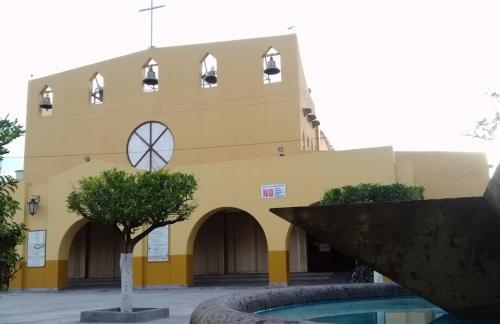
x=65 y=306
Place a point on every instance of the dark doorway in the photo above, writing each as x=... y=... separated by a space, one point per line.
x=321 y=257
x=230 y=246
x=94 y=257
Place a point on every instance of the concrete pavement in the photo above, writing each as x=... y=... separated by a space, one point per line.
x=65 y=306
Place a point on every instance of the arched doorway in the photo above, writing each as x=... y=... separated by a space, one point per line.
x=94 y=257
x=321 y=257
x=230 y=247
x=312 y=260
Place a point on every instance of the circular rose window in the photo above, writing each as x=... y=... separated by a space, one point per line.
x=150 y=146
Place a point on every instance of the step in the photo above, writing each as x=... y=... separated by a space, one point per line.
x=75 y=283
x=311 y=275
x=231 y=279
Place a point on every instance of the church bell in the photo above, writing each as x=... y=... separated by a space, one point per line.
x=98 y=94
x=211 y=77
x=46 y=104
x=271 y=68
x=150 y=77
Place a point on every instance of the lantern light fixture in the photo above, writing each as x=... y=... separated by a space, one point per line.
x=33 y=204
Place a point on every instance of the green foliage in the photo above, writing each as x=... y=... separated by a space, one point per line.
x=11 y=233
x=369 y=192
x=129 y=201
x=9 y=131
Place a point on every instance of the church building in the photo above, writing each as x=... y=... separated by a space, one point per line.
x=239 y=116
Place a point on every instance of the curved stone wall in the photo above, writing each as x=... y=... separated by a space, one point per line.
x=238 y=308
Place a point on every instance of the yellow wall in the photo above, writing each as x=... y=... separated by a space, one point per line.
x=224 y=184
x=176 y=272
x=226 y=136
x=447 y=174
x=207 y=124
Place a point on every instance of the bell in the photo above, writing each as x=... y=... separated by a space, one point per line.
x=98 y=94
x=46 y=104
x=271 y=68
x=311 y=117
x=150 y=77
x=210 y=77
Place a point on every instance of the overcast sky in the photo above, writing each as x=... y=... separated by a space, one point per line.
x=412 y=74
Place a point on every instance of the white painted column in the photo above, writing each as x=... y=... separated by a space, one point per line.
x=126 y=280
x=378 y=277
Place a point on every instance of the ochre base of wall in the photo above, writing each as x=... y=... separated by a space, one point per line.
x=17 y=281
x=176 y=272
x=53 y=276
x=278 y=268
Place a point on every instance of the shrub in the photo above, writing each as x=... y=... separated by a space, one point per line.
x=372 y=192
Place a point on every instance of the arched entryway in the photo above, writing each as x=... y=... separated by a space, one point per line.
x=229 y=247
x=94 y=257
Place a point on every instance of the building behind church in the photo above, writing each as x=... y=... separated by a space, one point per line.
x=240 y=117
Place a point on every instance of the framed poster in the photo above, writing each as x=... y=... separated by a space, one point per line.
x=158 y=244
x=36 y=249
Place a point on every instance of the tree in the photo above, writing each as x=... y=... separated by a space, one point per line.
x=11 y=233
x=130 y=202
x=486 y=128
x=369 y=193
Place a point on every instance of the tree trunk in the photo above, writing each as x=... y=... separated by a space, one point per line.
x=126 y=281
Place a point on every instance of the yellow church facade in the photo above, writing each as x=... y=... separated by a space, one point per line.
x=251 y=138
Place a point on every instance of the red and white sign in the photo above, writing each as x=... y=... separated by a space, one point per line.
x=273 y=191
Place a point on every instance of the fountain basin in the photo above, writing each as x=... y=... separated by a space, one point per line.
x=240 y=308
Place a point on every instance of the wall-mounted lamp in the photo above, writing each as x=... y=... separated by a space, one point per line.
x=33 y=204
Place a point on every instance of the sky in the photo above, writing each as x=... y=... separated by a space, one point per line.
x=412 y=74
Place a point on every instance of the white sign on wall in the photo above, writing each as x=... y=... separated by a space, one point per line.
x=273 y=191
x=36 y=249
x=158 y=244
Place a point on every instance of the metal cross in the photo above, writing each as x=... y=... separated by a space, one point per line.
x=151 y=8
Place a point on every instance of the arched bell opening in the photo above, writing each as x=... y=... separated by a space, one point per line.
x=151 y=75
x=97 y=89
x=230 y=247
x=94 y=257
x=271 y=66
x=208 y=71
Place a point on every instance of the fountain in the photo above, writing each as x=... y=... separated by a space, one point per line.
x=444 y=250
